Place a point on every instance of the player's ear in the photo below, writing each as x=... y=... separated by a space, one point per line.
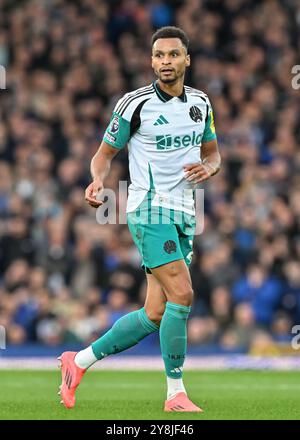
x=187 y=60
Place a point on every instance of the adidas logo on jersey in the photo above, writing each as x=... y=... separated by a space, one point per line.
x=167 y=141
x=161 y=120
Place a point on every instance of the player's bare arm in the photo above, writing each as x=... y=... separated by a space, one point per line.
x=210 y=165
x=100 y=166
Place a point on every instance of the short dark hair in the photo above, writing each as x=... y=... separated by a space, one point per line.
x=171 y=32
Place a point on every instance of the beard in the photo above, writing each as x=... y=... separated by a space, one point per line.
x=169 y=80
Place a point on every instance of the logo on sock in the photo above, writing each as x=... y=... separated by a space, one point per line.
x=116 y=349
x=177 y=370
x=176 y=356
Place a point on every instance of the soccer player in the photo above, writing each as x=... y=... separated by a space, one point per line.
x=169 y=129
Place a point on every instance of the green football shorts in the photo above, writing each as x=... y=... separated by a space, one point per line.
x=162 y=235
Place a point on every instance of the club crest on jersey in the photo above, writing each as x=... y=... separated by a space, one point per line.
x=196 y=114
x=114 y=126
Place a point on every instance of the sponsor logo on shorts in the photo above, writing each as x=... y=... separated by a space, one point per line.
x=170 y=246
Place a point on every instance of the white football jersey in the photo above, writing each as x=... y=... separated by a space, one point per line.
x=163 y=133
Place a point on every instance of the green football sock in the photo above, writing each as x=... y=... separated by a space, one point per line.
x=173 y=338
x=126 y=332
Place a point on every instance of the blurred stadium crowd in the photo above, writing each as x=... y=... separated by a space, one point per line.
x=63 y=277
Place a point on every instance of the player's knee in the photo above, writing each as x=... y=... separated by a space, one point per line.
x=155 y=315
x=184 y=296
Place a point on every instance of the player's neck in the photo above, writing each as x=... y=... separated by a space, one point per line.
x=172 y=89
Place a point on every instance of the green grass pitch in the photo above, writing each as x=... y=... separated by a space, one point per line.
x=114 y=395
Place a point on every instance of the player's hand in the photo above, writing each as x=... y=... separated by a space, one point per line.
x=92 y=191
x=198 y=172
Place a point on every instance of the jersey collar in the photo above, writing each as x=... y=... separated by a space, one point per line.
x=163 y=96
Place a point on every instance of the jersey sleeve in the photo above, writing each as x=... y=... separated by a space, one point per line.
x=117 y=133
x=209 y=130
x=120 y=127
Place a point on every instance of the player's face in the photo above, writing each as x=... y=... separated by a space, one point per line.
x=169 y=59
